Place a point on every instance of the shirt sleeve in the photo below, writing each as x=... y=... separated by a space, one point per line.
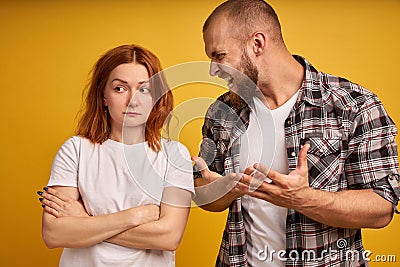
x=64 y=171
x=373 y=159
x=212 y=131
x=180 y=173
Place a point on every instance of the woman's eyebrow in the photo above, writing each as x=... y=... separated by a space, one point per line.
x=142 y=82
x=119 y=80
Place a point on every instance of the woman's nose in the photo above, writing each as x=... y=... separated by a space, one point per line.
x=132 y=99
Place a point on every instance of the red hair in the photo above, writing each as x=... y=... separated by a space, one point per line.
x=93 y=123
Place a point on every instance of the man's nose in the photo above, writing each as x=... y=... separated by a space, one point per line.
x=214 y=68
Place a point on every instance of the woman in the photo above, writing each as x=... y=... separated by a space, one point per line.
x=135 y=187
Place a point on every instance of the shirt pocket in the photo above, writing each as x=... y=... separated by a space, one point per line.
x=324 y=162
x=321 y=147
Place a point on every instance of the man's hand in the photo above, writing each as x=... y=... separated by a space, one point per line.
x=214 y=191
x=290 y=191
x=345 y=209
x=206 y=174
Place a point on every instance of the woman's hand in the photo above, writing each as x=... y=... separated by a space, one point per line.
x=59 y=205
x=145 y=214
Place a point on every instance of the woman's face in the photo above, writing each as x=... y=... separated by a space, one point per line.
x=127 y=96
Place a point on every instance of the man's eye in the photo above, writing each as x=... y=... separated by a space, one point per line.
x=220 y=56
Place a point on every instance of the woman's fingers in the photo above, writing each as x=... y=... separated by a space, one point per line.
x=50 y=210
x=52 y=195
x=50 y=201
x=55 y=193
x=51 y=204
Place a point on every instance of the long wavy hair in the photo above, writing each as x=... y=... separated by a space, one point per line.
x=93 y=122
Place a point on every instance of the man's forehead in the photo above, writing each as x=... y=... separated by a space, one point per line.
x=217 y=35
x=218 y=24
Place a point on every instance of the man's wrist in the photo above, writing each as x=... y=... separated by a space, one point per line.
x=311 y=199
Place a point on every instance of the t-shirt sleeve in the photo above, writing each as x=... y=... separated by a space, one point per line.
x=180 y=170
x=64 y=171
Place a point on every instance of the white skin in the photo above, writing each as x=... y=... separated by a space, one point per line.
x=129 y=101
x=65 y=221
x=280 y=76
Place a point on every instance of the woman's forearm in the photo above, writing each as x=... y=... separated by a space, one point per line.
x=88 y=231
x=164 y=234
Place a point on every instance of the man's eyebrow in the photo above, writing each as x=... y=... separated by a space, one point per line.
x=142 y=82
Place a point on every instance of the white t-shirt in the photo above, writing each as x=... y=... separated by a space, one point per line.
x=112 y=177
x=264 y=142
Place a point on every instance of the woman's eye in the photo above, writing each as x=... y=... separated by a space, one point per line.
x=119 y=89
x=144 y=90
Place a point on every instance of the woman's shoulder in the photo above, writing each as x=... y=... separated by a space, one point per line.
x=172 y=146
x=169 y=144
x=77 y=142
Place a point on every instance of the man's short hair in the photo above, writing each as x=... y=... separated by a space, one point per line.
x=247 y=17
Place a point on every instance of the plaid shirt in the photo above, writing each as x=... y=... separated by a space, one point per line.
x=352 y=147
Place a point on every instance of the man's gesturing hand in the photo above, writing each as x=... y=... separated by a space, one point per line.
x=213 y=186
x=291 y=190
x=208 y=175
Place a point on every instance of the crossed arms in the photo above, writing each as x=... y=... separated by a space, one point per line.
x=67 y=224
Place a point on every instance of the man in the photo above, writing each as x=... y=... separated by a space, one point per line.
x=330 y=168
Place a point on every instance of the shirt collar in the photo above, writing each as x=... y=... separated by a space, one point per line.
x=310 y=90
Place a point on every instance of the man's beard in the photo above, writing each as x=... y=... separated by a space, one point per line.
x=246 y=84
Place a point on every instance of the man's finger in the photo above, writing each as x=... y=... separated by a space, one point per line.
x=302 y=160
x=261 y=168
x=252 y=182
x=261 y=195
x=263 y=190
x=249 y=170
x=201 y=165
x=262 y=172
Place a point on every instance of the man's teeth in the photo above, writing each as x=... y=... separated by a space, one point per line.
x=229 y=80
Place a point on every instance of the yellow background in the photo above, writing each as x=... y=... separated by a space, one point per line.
x=48 y=48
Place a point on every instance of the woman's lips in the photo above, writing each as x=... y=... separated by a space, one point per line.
x=132 y=113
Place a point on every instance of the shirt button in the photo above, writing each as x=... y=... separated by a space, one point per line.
x=289 y=122
x=293 y=154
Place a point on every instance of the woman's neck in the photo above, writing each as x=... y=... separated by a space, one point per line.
x=128 y=135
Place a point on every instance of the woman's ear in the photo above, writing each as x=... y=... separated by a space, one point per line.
x=105 y=101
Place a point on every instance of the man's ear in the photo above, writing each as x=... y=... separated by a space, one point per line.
x=259 y=42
